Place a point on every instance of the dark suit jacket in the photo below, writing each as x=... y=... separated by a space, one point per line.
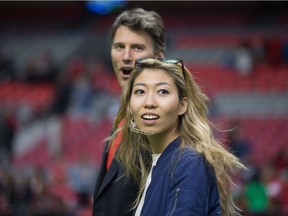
x=113 y=193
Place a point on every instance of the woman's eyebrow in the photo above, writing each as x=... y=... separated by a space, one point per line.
x=157 y=84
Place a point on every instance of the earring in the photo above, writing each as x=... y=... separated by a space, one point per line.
x=132 y=124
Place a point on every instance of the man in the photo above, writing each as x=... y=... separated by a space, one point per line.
x=136 y=33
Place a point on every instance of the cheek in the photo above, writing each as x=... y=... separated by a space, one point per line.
x=114 y=62
x=172 y=116
x=173 y=112
x=114 y=57
x=135 y=106
x=174 y=109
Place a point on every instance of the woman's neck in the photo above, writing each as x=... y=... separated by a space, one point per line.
x=159 y=142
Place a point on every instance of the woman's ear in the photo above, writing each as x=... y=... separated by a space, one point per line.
x=183 y=106
x=129 y=110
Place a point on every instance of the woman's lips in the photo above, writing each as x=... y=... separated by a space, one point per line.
x=149 y=119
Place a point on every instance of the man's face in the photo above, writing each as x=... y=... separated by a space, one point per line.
x=126 y=48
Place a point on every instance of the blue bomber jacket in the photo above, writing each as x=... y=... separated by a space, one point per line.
x=182 y=184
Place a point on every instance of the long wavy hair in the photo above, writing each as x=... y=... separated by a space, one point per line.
x=195 y=132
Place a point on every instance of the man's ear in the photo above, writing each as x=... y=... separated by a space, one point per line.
x=183 y=106
x=159 y=55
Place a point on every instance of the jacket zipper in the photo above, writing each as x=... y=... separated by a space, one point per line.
x=175 y=202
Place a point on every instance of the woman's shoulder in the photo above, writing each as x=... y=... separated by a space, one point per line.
x=189 y=154
x=192 y=166
x=190 y=160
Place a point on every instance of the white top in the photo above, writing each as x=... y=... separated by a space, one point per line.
x=155 y=158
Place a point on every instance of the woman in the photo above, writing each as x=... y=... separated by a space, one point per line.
x=168 y=145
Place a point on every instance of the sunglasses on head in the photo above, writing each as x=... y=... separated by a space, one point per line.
x=138 y=62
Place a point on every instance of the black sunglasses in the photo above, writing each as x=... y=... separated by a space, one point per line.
x=138 y=62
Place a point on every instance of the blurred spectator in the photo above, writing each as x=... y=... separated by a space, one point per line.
x=31 y=73
x=39 y=181
x=81 y=87
x=244 y=59
x=274 y=51
x=281 y=160
x=81 y=95
x=43 y=69
x=75 y=67
x=273 y=183
x=4 y=205
x=62 y=95
x=49 y=67
x=238 y=144
x=59 y=184
x=7 y=71
x=8 y=125
x=5 y=186
x=20 y=196
x=53 y=128
x=100 y=76
x=283 y=198
x=105 y=90
x=45 y=202
x=82 y=175
x=285 y=50
x=256 y=197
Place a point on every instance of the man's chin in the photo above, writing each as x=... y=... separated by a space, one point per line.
x=123 y=82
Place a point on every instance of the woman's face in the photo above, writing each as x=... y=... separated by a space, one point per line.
x=155 y=103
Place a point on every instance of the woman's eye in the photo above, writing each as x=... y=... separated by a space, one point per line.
x=163 y=91
x=139 y=92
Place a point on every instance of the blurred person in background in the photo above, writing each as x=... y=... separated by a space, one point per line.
x=256 y=196
x=8 y=127
x=82 y=179
x=168 y=144
x=7 y=70
x=136 y=33
x=237 y=142
x=244 y=59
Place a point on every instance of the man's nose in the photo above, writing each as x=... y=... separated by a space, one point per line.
x=127 y=57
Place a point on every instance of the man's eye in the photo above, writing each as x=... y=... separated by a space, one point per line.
x=118 y=47
x=138 y=48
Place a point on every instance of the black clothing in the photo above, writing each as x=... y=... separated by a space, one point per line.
x=114 y=194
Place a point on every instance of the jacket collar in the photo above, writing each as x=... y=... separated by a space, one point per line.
x=174 y=145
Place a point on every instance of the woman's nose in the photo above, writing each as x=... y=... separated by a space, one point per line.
x=150 y=101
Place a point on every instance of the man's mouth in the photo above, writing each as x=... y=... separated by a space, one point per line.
x=126 y=71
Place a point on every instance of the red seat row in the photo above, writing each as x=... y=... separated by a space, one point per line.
x=216 y=78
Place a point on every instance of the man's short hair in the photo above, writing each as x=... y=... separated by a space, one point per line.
x=139 y=19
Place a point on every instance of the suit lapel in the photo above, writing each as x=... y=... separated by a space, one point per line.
x=107 y=178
